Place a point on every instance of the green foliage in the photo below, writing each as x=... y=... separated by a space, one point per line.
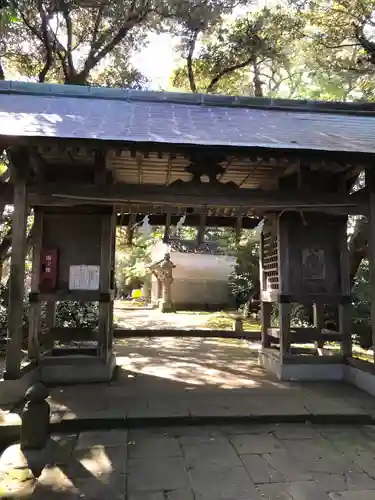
x=251 y=55
x=65 y=41
x=244 y=280
x=131 y=261
x=361 y=311
x=77 y=315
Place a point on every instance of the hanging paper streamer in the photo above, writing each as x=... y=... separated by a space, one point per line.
x=180 y=223
x=145 y=227
x=258 y=230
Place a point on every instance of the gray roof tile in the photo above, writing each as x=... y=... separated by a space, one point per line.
x=43 y=110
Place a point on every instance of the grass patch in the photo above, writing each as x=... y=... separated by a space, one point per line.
x=223 y=320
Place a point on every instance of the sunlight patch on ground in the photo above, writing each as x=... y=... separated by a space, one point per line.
x=130 y=316
x=191 y=361
x=97 y=462
x=187 y=372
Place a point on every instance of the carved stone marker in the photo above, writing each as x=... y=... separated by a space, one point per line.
x=22 y=463
x=163 y=271
x=35 y=418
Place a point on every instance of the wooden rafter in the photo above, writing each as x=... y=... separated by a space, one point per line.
x=169 y=170
x=252 y=170
x=139 y=167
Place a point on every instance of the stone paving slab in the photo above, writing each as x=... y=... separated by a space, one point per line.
x=203 y=379
x=209 y=463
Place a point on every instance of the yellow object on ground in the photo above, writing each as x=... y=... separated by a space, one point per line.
x=136 y=294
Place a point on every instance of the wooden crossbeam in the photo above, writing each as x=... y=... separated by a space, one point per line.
x=186 y=195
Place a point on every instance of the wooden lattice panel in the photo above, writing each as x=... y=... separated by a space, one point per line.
x=270 y=257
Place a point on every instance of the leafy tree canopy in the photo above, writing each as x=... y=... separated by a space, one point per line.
x=67 y=40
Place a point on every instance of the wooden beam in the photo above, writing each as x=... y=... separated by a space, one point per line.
x=16 y=283
x=342 y=157
x=202 y=196
x=67 y=334
x=186 y=195
x=150 y=333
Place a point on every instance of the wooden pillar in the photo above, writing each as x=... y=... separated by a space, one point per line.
x=266 y=311
x=265 y=307
x=345 y=326
x=318 y=312
x=16 y=283
x=370 y=184
x=201 y=229
x=238 y=230
x=105 y=305
x=284 y=315
x=112 y=285
x=35 y=307
x=50 y=322
x=283 y=271
x=130 y=229
x=167 y=227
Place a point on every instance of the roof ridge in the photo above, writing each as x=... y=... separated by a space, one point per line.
x=214 y=100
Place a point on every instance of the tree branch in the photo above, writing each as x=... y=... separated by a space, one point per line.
x=227 y=71
x=369 y=47
x=93 y=59
x=258 y=91
x=96 y=29
x=69 y=34
x=46 y=42
x=189 y=60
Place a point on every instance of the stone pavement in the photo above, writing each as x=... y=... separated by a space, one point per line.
x=153 y=319
x=201 y=378
x=273 y=462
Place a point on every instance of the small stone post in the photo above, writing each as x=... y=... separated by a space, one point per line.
x=238 y=324
x=35 y=430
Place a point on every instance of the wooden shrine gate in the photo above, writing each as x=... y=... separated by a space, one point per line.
x=81 y=158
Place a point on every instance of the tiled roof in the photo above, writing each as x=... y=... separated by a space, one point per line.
x=61 y=111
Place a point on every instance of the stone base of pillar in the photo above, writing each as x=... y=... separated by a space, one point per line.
x=271 y=360
x=166 y=306
x=76 y=369
x=13 y=391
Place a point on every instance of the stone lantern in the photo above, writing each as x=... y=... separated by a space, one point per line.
x=163 y=272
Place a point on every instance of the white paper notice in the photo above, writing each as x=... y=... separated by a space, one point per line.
x=84 y=277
